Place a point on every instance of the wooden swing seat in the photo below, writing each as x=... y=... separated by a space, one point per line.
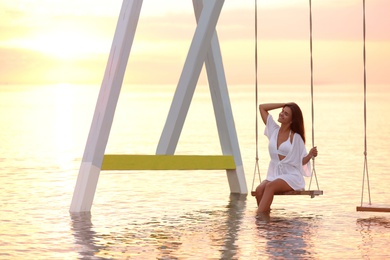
x=311 y=193
x=372 y=209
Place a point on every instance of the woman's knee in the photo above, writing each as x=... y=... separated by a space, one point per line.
x=261 y=186
x=260 y=189
x=278 y=185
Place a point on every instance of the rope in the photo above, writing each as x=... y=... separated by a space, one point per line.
x=312 y=96
x=257 y=170
x=365 y=167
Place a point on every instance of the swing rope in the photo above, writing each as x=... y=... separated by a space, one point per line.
x=312 y=193
x=257 y=169
x=365 y=167
x=312 y=96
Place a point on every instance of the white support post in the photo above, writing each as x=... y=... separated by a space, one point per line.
x=105 y=108
x=222 y=110
x=189 y=76
x=208 y=52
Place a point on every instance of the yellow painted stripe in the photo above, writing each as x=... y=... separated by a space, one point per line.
x=168 y=162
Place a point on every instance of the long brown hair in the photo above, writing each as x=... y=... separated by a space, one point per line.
x=297 y=124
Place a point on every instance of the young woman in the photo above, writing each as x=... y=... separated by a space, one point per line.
x=289 y=158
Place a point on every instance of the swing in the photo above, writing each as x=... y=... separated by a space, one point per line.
x=311 y=193
x=365 y=167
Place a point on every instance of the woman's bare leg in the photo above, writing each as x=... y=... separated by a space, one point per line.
x=271 y=188
x=260 y=190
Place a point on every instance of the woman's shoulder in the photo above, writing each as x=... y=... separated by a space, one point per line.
x=269 y=117
x=297 y=136
x=271 y=123
x=271 y=120
x=298 y=139
x=271 y=126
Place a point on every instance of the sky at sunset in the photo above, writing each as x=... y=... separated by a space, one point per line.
x=57 y=41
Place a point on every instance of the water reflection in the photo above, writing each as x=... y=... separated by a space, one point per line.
x=287 y=236
x=208 y=232
x=167 y=241
x=84 y=235
x=372 y=230
x=203 y=232
x=235 y=212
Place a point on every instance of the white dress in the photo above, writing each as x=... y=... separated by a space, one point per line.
x=290 y=169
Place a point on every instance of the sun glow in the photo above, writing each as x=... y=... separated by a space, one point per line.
x=63 y=44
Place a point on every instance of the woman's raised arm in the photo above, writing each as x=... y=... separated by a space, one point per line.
x=264 y=108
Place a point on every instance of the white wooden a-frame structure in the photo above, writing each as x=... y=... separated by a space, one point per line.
x=204 y=49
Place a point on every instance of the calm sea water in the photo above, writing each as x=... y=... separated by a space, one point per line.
x=186 y=214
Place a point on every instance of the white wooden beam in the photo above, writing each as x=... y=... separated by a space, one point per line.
x=189 y=77
x=222 y=110
x=105 y=108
